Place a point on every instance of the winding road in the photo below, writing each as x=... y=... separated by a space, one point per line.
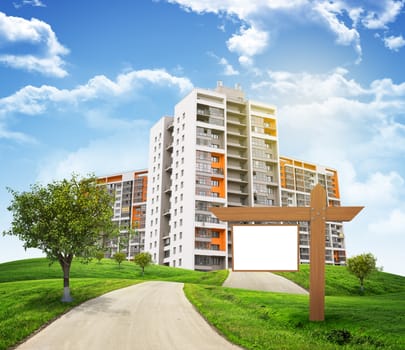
x=146 y=316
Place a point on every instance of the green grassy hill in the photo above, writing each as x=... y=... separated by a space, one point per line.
x=40 y=268
x=30 y=292
x=338 y=281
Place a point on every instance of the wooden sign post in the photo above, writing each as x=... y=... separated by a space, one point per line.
x=317 y=215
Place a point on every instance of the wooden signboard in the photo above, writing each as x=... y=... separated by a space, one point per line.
x=317 y=215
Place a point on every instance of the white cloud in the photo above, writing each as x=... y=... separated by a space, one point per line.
x=293 y=88
x=329 y=11
x=15 y=136
x=330 y=14
x=33 y=3
x=394 y=42
x=19 y=30
x=35 y=100
x=391 y=225
x=388 y=13
x=228 y=68
x=250 y=42
x=120 y=151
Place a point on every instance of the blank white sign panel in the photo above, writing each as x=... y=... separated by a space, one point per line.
x=265 y=247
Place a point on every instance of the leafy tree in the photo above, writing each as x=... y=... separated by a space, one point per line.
x=119 y=258
x=99 y=255
x=64 y=219
x=361 y=266
x=143 y=260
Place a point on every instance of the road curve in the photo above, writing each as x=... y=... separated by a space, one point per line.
x=146 y=316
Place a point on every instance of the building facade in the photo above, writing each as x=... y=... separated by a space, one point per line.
x=297 y=178
x=129 y=191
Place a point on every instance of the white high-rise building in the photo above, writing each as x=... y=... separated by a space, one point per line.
x=219 y=149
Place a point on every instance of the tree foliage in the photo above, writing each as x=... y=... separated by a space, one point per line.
x=99 y=255
x=143 y=260
x=119 y=258
x=361 y=266
x=64 y=219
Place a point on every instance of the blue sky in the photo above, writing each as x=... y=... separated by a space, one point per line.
x=81 y=83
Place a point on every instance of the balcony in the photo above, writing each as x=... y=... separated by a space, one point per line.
x=236 y=179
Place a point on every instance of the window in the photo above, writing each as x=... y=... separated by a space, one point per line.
x=174 y=237
x=174 y=250
x=214 y=159
x=179 y=262
x=181 y=222
x=180 y=248
x=215 y=234
x=180 y=235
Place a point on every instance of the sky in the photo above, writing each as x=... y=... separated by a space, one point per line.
x=82 y=82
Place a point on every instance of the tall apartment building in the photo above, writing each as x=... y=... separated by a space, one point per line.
x=129 y=191
x=297 y=179
x=219 y=149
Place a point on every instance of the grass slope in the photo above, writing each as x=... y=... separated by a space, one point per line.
x=32 y=269
x=30 y=292
x=340 y=282
x=258 y=320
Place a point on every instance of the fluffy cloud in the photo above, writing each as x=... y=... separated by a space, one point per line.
x=33 y=3
x=334 y=15
x=394 y=42
x=35 y=100
x=330 y=11
x=101 y=156
x=19 y=30
x=228 y=69
x=392 y=225
x=248 y=43
x=388 y=12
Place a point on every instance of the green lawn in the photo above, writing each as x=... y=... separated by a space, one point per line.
x=30 y=292
x=32 y=269
x=259 y=320
x=340 y=282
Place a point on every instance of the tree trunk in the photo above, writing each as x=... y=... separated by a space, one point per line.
x=361 y=285
x=65 y=263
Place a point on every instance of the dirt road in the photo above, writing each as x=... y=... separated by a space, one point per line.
x=150 y=315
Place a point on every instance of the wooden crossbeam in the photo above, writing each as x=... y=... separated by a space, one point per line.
x=237 y=214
